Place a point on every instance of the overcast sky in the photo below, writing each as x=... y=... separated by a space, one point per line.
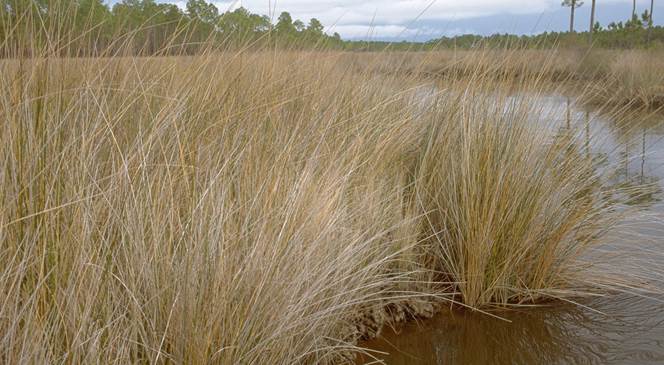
x=426 y=19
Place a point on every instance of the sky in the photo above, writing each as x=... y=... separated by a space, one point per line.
x=421 y=20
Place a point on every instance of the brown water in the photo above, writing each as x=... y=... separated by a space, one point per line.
x=614 y=329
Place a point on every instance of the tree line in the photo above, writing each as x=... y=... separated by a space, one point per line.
x=90 y=27
x=146 y=27
x=637 y=31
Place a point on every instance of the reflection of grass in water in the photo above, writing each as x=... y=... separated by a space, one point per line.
x=631 y=130
x=641 y=191
x=558 y=334
x=536 y=336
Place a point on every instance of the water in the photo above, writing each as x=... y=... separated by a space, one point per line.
x=615 y=329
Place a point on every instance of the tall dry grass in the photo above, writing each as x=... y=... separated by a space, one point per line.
x=217 y=208
x=634 y=77
x=270 y=207
x=511 y=208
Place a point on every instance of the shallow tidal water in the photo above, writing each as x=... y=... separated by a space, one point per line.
x=614 y=329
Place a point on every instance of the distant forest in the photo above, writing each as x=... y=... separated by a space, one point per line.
x=91 y=27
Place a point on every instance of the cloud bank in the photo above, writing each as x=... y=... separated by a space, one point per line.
x=424 y=19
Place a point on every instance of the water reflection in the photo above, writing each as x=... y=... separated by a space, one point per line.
x=564 y=334
x=639 y=142
x=623 y=329
x=629 y=148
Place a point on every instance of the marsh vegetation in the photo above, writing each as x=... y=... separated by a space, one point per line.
x=277 y=205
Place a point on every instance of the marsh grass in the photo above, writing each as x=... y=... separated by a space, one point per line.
x=269 y=206
x=214 y=208
x=511 y=207
x=604 y=77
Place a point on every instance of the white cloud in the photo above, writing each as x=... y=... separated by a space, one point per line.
x=383 y=31
x=397 y=11
x=353 y=18
x=357 y=18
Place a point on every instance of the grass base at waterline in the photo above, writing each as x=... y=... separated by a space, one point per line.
x=254 y=207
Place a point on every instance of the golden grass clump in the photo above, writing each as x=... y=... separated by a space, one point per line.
x=227 y=208
x=510 y=207
x=637 y=77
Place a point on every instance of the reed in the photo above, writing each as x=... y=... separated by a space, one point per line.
x=511 y=205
